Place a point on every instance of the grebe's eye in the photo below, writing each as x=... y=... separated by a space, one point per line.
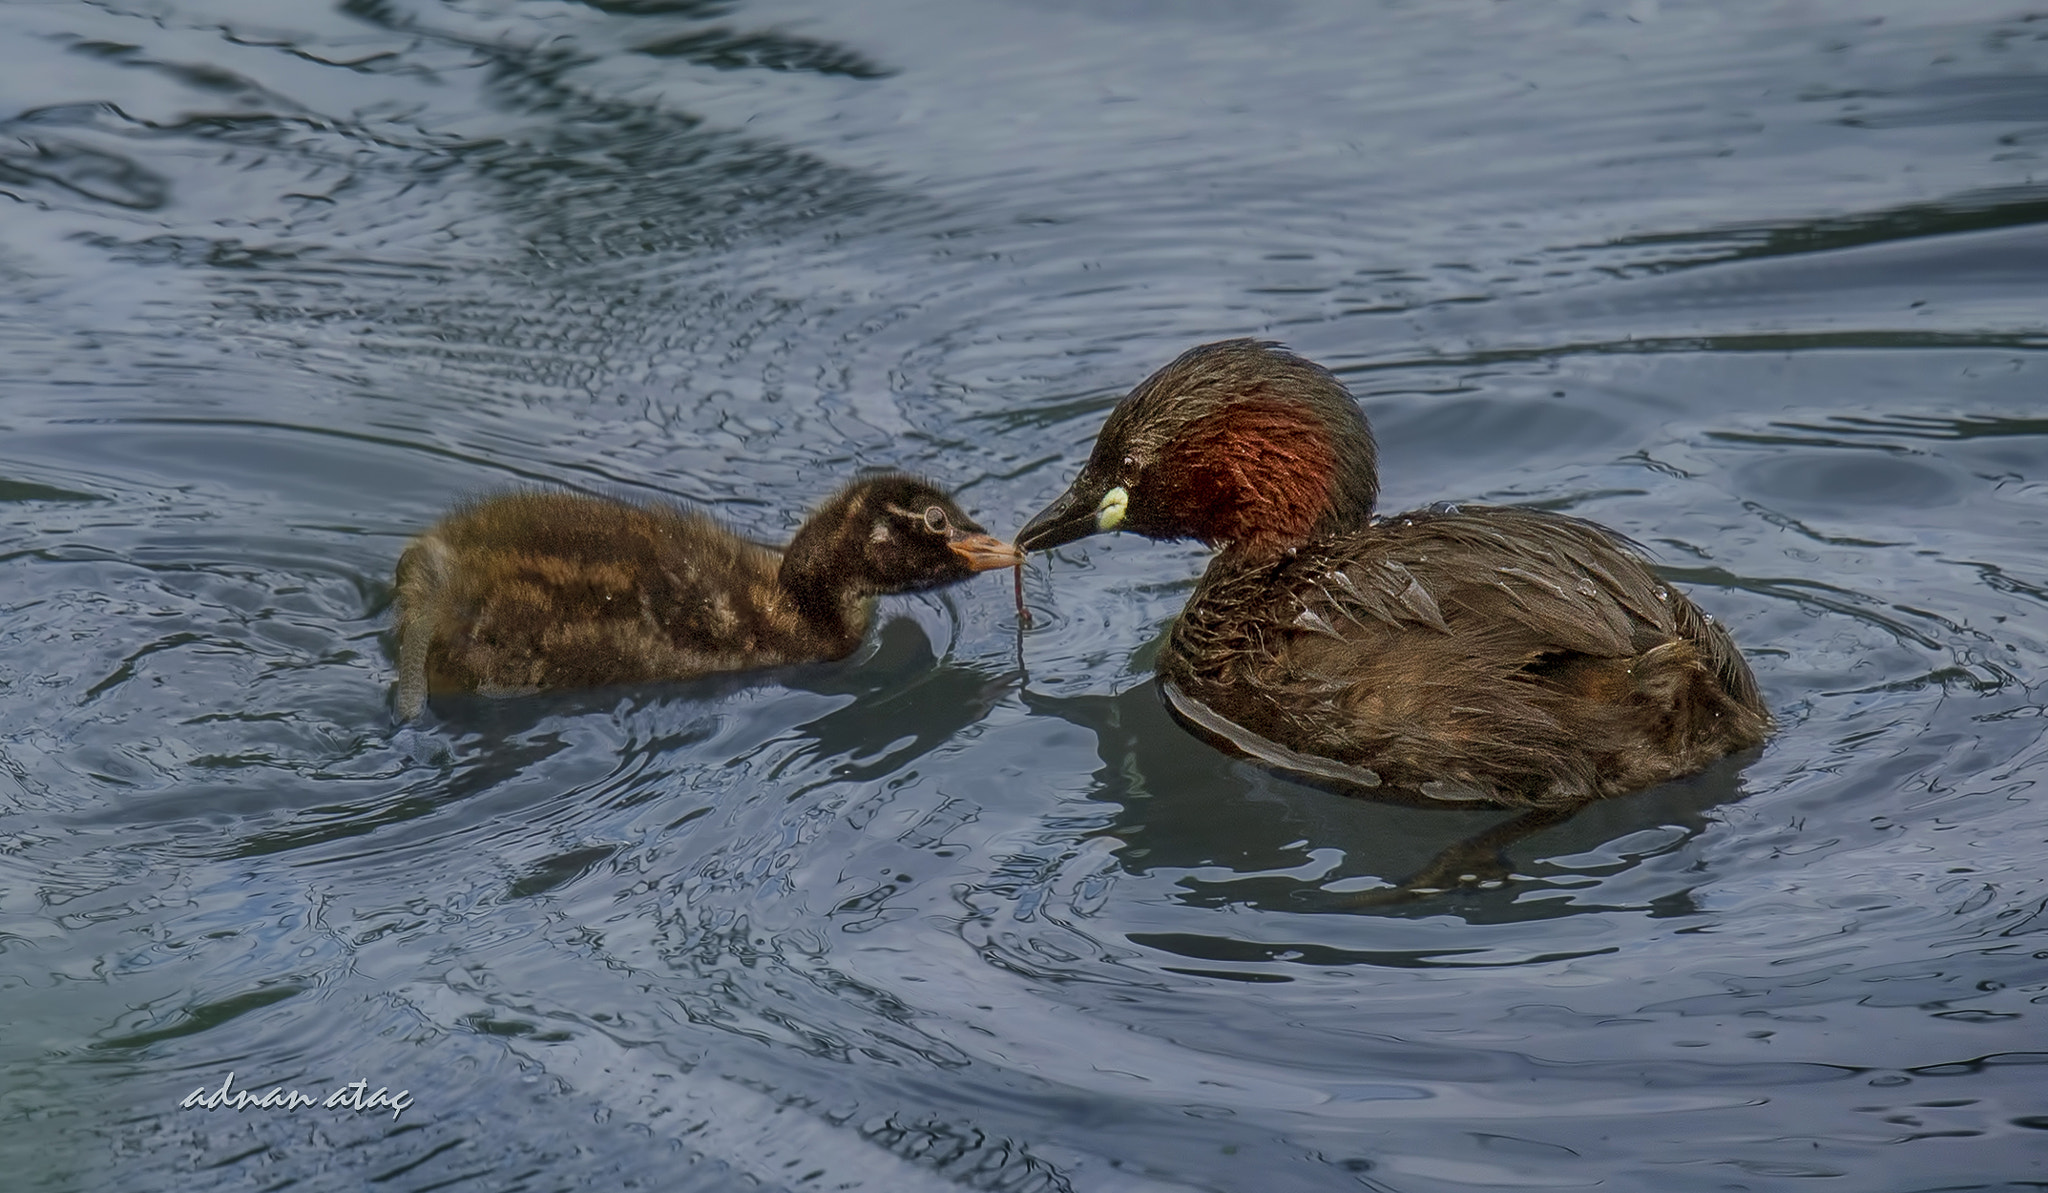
x=934 y=519
x=1130 y=473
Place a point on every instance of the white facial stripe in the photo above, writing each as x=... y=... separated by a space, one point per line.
x=1110 y=513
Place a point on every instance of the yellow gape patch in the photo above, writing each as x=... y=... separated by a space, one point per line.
x=1110 y=513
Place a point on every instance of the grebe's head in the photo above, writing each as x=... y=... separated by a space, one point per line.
x=1240 y=444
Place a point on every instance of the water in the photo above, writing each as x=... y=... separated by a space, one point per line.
x=1757 y=284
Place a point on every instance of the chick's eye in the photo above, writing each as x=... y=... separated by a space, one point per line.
x=1130 y=469
x=934 y=519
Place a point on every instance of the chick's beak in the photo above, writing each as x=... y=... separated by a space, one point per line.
x=1075 y=515
x=983 y=552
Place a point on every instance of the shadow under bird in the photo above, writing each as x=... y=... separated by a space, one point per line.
x=526 y=591
x=1476 y=653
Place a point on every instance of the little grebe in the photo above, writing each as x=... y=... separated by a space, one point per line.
x=1470 y=653
x=535 y=590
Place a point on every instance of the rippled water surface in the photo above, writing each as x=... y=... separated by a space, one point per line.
x=1760 y=284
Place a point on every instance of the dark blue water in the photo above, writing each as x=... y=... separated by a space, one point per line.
x=1759 y=284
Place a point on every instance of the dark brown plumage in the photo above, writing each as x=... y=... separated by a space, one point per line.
x=1486 y=653
x=533 y=590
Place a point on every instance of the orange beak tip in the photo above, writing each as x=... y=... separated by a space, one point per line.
x=986 y=552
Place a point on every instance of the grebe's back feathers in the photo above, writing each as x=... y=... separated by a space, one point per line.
x=1513 y=655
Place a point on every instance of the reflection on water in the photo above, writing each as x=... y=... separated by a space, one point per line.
x=1268 y=843
x=1756 y=286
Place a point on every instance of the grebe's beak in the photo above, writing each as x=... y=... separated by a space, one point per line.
x=983 y=552
x=1087 y=507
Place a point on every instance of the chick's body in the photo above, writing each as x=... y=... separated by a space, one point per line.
x=536 y=590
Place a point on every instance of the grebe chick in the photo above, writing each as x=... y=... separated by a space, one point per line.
x=531 y=590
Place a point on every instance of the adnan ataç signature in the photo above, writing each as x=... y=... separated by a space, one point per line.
x=356 y=1096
